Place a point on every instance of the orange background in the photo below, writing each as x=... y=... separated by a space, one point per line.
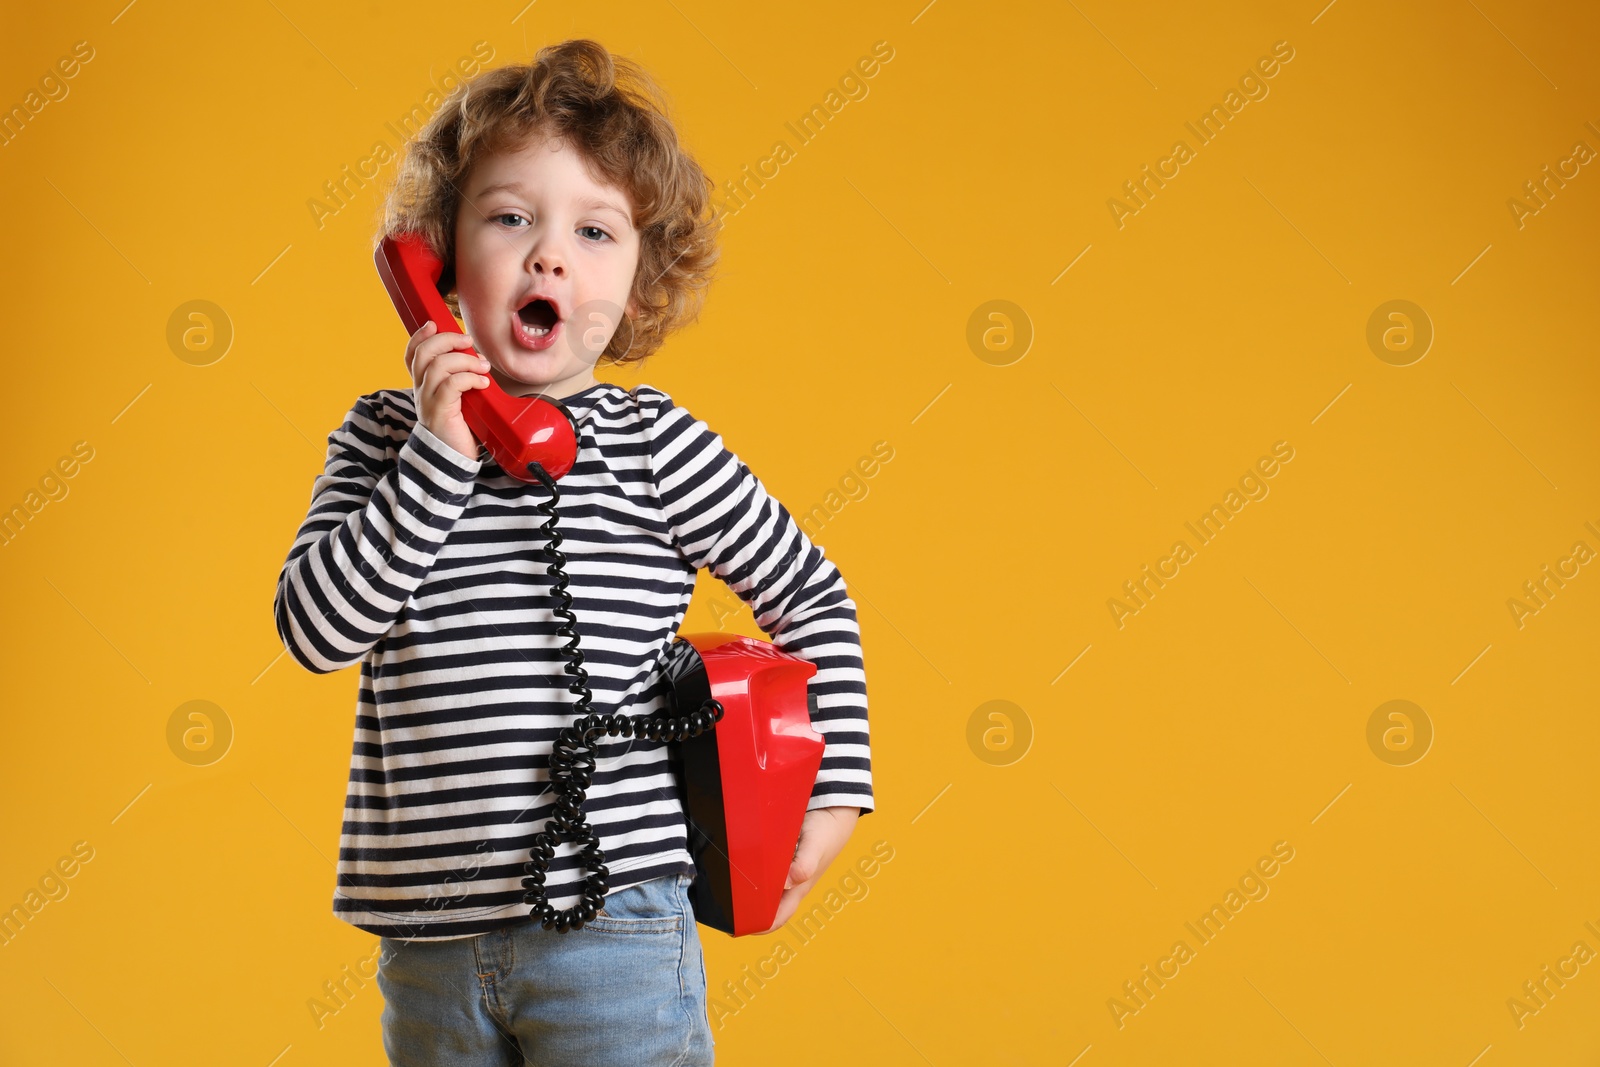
x=1040 y=859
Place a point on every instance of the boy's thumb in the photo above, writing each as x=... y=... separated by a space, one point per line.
x=807 y=850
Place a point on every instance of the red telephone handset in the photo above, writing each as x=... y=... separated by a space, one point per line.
x=517 y=430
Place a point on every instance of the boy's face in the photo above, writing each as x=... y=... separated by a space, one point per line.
x=533 y=222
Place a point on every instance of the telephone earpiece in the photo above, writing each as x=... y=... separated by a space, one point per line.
x=517 y=430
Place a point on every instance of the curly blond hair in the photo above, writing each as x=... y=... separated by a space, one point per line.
x=613 y=113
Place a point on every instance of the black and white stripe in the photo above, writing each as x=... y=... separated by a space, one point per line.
x=423 y=565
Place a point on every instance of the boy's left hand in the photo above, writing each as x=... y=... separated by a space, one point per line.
x=823 y=835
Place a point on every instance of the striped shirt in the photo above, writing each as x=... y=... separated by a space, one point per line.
x=425 y=566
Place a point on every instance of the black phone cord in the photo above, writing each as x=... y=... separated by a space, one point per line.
x=572 y=755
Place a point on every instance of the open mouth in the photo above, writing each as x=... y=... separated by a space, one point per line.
x=536 y=323
x=539 y=316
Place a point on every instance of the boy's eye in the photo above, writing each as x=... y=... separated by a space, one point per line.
x=594 y=233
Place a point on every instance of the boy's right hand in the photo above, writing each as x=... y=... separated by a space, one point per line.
x=441 y=370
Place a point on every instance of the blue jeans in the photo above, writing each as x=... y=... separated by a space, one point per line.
x=627 y=990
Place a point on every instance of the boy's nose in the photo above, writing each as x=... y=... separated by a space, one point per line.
x=546 y=259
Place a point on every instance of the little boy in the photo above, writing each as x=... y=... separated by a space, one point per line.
x=574 y=230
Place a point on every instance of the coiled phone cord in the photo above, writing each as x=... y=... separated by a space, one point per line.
x=572 y=755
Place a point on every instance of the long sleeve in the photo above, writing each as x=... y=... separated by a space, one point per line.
x=373 y=530
x=723 y=519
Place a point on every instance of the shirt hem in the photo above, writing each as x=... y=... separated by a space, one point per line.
x=451 y=926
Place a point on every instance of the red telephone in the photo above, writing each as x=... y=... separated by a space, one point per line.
x=517 y=430
x=740 y=707
x=745 y=784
